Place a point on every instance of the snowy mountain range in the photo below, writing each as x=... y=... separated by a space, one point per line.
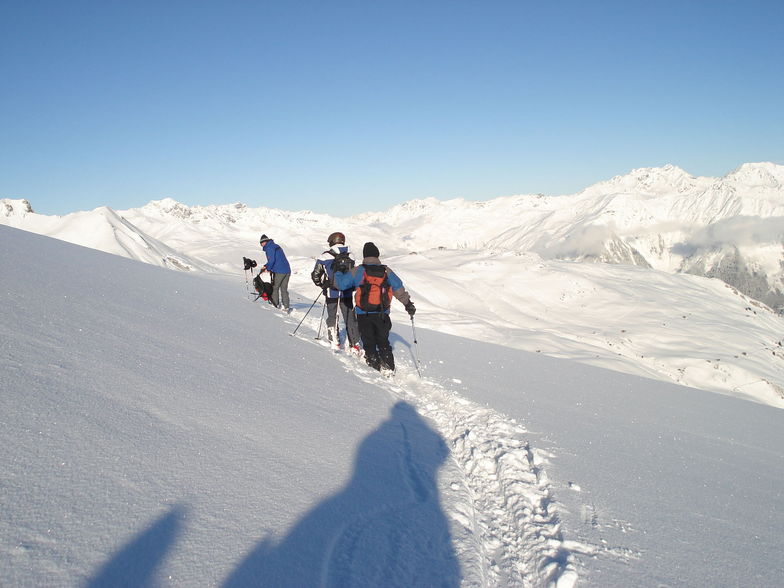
x=637 y=307
x=731 y=228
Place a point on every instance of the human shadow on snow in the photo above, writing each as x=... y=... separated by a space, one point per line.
x=384 y=528
x=136 y=563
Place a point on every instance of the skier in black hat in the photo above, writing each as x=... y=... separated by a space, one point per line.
x=279 y=267
x=376 y=285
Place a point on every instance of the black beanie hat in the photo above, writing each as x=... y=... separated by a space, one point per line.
x=264 y=238
x=370 y=250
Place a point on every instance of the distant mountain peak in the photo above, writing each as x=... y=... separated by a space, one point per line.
x=167 y=202
x=668 y=169
x=762 y=174
x=169 y=208
x=12 y=207
x=643 y=173
x=165 y=205
x=649 y=181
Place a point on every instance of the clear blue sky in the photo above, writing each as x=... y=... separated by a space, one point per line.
x=344 y=107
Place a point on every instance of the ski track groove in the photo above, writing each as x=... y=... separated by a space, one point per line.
x=504 y=522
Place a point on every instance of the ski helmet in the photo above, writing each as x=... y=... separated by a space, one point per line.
x=336 y=238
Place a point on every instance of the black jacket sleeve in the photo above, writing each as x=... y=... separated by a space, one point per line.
x=318 y=275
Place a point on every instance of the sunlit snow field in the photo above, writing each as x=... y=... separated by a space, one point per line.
x=583 y=412
x=162 y=429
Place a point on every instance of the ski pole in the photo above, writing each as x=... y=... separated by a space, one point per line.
x=321 y=320
x=338 y=311
x=307 y=313
x=416 y=347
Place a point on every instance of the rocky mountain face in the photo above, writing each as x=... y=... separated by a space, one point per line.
x=730 y=228
x=15 y=208
x=742 y=271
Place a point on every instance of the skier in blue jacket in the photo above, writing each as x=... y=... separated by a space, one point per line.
x=376 y=285
x=279 y=268
x=322 y=276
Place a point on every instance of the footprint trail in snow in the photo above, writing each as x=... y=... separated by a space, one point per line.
x=494 y=490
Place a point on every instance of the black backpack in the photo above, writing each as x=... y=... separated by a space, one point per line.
x=263 y=288
x=342 y=262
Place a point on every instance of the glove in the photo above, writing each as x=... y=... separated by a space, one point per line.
x=318 y=279
x=410 y=308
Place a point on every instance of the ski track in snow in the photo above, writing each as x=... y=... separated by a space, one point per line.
x=503 y=516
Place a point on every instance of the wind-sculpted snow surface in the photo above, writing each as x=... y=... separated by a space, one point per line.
x=177 y=435
x=160 y=413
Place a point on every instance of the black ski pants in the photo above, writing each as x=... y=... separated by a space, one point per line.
x=333 y=324
x=374 y=329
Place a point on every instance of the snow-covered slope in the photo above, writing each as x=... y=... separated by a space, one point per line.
x=101 y=229
x=673 y=327
x=177 y=435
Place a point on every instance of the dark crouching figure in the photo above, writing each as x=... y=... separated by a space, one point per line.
x=334 y=258
x=376 y=285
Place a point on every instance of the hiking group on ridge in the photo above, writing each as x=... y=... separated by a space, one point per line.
x=362 y=294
